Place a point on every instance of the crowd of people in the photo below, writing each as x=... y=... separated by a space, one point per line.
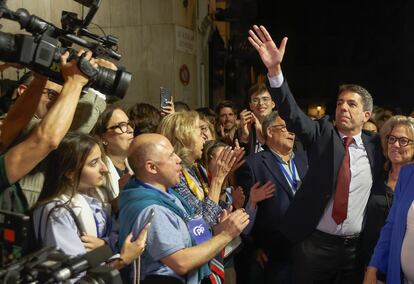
x=262 y=195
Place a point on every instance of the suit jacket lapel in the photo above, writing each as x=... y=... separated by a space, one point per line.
x=301 y=164
x=271 y=163
x=370 y=151
x=338 y=153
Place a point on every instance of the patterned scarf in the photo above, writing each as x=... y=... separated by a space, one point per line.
x=198 y=185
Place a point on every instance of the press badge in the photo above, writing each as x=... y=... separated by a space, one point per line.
x=199 y=230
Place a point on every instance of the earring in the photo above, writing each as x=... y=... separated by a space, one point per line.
x=105 y=143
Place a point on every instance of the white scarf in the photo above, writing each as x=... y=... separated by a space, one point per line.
x=113 y=186
x=83 y=212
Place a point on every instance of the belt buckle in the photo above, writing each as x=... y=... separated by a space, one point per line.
x=348 y=240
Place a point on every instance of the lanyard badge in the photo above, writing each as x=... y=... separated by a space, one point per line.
x=199 y=230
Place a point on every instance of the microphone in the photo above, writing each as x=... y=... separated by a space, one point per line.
x=81 y=263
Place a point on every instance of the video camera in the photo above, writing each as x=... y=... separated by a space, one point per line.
x=41 y=50
x=50 y=265
x=46 y=265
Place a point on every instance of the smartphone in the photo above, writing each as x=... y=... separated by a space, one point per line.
x=165 y=96
x=149 y=219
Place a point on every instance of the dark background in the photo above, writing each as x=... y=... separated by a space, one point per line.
x=370 y=43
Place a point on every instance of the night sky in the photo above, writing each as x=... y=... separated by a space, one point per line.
x=370 y=43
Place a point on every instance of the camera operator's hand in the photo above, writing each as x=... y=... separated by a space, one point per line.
x=70 y=70
x=91 y=242
x=105 y=63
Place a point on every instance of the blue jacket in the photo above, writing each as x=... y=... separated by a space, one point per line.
x=387 y=253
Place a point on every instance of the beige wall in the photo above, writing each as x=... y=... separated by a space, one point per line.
x=147 y=42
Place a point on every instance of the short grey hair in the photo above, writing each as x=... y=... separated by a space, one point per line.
x=268 y=121
x=367 y=101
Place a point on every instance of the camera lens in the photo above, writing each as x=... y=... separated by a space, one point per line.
x=110 y=82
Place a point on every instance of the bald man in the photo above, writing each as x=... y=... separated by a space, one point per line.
x=179 y=245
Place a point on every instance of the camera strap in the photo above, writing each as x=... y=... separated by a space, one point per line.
x=86 y=67
x=72 y=214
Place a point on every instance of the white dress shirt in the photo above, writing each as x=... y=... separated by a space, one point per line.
x=359 y=188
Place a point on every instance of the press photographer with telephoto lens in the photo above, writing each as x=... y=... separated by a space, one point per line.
x=48 y=54
x=41 y=51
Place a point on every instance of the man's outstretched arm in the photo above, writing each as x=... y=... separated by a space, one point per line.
x=45 y=137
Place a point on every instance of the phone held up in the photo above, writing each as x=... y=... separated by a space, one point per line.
x=165 y=96
x=150 y=216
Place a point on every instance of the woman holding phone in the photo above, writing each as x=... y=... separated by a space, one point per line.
x=66 y=215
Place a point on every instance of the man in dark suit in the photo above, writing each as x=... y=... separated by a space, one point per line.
x=284 y=168
x=326 y=216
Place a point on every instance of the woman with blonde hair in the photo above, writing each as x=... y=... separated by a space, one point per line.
x=199 y=190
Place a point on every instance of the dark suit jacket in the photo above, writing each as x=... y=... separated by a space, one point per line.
x=263 y=167
x=325 y=154
x=250 y=146
x=376 y=213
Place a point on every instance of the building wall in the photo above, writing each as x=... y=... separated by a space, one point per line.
x=147 y=41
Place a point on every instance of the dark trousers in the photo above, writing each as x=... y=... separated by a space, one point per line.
x=249 y=271
x=324 y=259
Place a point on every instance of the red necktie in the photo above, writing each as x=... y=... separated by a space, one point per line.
x=340 y=205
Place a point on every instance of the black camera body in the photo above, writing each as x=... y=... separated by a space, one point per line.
x=47 y=264
x=51 y=266
x=41 y=50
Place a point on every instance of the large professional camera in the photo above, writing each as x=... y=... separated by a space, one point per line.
x=50 y=265
x=41 y=50
x=47 y=265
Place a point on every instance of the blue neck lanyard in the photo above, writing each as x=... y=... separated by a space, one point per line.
x=107 y=226
x=293 y=182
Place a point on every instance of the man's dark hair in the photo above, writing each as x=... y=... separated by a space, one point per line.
x=258 y=88
x=180 y=106
x=366 y=98
x=26 y=79
x=146 y=118
x=101 y=125
x=223 y=104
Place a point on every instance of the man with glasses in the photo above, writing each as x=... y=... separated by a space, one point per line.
x=278 y=164
x=325 y=219
x=250 y=130
x=89 y=107
x=20 y=159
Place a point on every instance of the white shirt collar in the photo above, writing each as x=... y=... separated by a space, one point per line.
x=357 y=138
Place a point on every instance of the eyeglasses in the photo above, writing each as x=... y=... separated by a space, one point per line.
x=281 y=127
x=51 y=94
x=123 y=126
x=403 y=141
x=265 y=100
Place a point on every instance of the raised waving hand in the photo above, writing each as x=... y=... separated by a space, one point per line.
x=270 y=54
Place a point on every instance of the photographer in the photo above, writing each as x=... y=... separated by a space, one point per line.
x=45 y=137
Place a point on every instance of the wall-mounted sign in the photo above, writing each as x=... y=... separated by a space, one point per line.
x=184 y=75
x=184 y=40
